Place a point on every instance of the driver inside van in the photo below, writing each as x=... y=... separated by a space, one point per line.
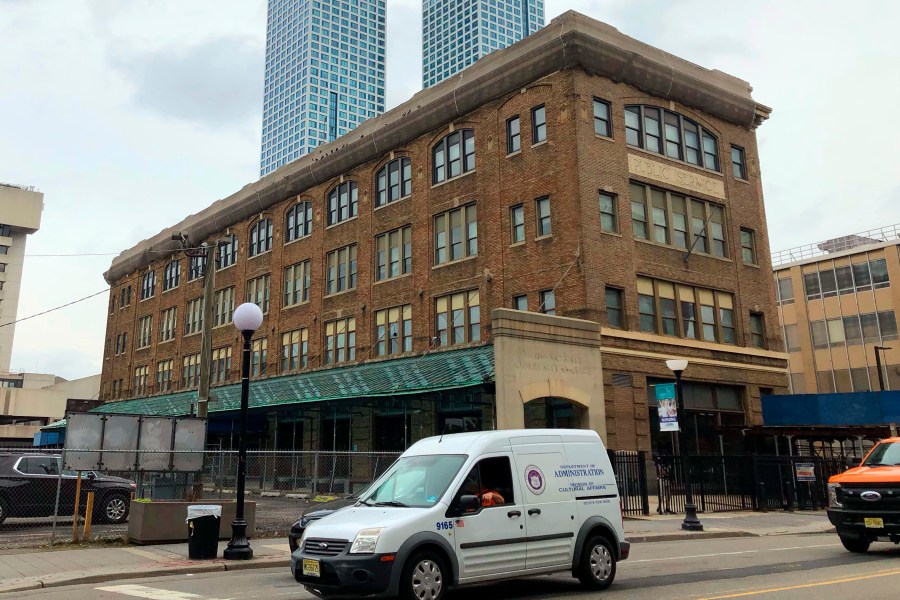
x=486 y=495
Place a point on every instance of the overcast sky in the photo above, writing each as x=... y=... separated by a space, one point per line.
x=129 y=115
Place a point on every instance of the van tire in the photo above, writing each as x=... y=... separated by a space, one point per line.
x=425 y=576
x=597 y=567
x=856 y=545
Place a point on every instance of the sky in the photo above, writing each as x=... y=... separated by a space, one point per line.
x=130 y=115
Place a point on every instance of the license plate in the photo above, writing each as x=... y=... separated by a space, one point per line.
x=874 y=523
x=311 y=567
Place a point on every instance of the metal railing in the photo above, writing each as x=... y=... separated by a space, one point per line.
x=839 y=244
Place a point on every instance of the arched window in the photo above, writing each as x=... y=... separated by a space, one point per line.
x=299 y=221
x=261 y=237
x=342 y=202
x=668 y=133
x=453 y=156
x=393 y=181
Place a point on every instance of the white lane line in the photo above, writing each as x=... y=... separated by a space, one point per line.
x=731 y=553
x=142 y=591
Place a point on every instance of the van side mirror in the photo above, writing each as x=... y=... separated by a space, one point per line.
x=852 y=462
x=469 y=503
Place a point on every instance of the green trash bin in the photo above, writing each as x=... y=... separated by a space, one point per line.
x=203 y=521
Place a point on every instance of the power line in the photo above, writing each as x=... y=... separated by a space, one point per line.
x=53 y=309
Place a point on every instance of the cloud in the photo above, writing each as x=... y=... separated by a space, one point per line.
x=216 y=83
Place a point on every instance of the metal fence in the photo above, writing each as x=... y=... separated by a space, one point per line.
x=631 y=479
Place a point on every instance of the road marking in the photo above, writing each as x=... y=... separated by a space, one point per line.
x=806 y=585
x=731 y=553
x=142 y=591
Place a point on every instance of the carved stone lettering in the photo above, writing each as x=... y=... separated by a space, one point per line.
x=668 y=174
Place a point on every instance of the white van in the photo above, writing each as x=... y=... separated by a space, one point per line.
x=472 y=507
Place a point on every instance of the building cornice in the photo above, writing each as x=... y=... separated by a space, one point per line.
x=571 y=41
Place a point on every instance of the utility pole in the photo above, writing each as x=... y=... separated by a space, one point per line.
x=209 y=284
x=878 y=350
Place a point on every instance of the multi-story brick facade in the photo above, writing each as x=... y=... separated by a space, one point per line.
x=547 y=125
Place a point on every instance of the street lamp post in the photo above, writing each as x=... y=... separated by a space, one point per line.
x=878 y=350
x=247 y=318
x=691 y=522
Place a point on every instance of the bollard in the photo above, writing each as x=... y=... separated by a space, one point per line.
x=790 y=495
x=763 y=499
x=77 y=506
x=88 y=516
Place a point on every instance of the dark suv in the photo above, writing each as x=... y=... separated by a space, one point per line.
x=28 y=485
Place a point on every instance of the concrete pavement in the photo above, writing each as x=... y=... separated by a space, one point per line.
x=29 y=570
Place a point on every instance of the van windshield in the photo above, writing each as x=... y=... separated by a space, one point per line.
x=884 y=455
x=415 y=481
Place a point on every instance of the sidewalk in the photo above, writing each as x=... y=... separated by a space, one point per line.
x=37 y=569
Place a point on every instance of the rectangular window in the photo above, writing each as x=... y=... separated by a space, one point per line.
x=343 y=202
x=638 y=211
x=844 y=279
x=258 y=292
x=171 y=275
x=835 y=331
x=121 y=343
x=226 y=254
x=193 y=316
x=393 y=253
x=785 y=290
x=145 y=332
x=513 y=135
x=294 y=349
x=164 y=375
x=260 y=237
x=140 y=380
x=614 y=308
x=296 y=284
x=125 y=300
x=458 y=318
x=340 y=270
x=196 y=267
x=190 y=371
x=686 y=311
x=869 y=324
x=167 y=325
x=538 y=124
x=828 y=283
x=393 y=330
x=818 y=331
x=887 y=325
x=792 y=338
x=757 y=331
x=717 y=230
x=548 y=302
x=517 y=223
x=811 y=286
x=602 y=121
x=633 y=130
x=738 y=164
x=862 y=279
x=647 y=306
x=520 y=302
x=220 y=365
x=340 y=341
x=223 y=307
x=609 y=214
x=669 y=214
x=148 y=285
x=542 y=213
x=258 y=350
x=748 y=246
x=456 y=234
x=879 y=272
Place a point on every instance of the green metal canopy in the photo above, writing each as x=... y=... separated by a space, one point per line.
x=401 y=376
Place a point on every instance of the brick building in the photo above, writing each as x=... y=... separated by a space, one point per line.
x=578 y=173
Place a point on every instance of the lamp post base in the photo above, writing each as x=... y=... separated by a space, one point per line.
x=239 y=547
x=691 y=522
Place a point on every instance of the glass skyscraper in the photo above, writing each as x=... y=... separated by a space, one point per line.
x=456 y=33
x=324 y=74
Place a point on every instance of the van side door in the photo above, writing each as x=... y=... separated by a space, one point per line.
x=551 y=514
x=490 y=540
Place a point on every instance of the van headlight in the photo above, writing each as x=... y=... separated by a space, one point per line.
x=365 y=541
x=833 y=495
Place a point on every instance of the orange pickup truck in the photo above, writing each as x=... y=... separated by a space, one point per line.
x=864 y=502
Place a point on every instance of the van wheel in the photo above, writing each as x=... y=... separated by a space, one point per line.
x=857 y=545
x=423 y=577
x=597 y=568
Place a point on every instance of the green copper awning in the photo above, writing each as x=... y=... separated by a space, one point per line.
x=401 y=376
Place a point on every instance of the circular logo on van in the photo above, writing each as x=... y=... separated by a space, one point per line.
x=534 y=478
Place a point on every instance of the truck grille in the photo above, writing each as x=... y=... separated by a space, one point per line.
x=324 y=547
x=853 y=497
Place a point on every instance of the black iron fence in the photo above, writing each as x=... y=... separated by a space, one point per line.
x=631 y=479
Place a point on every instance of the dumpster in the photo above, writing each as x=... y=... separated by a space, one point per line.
x=203 y=522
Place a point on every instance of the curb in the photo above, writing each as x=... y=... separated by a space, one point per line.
x=262 y=563
x=675 y=537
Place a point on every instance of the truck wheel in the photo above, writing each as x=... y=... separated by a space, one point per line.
x=858 y=545
x=597 y=567
x=423 y=577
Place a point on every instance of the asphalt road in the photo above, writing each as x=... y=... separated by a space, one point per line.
x=776 y=567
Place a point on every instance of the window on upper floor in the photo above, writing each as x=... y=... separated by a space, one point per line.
x=145 y=332
x=125 y=299
x=538 y=124
x=738 y=162
x=453 y=156
x=167 y=321
x=785 y=290
x=602 y=118
x=164 y=375
x=340 y=341
x=757 y=330
x=223 y=307
x=171 y=275
x=121 y=343
x=148 y=285
x=748 y=246
x=393 y=253
x=609 y=213
x=196 y=267
x=456 y=234
x=520 y=302
x=393 y=330
x=226 y=253
x=542 y=214
x=261 y=237
x=258 y=291
x=220 y=365
x=393 y=181
x=685 y=311
x=294 y=349
x=615 y=308
x=140 y=380
x=190 y=371
x=548 y=302
x=668 y=133
x=517 y=224
x=193 y=316
x=677 y=220
x=299 y=221
x=458 y=318
x=258 y=350
x=846 y=279
x=296 y=283
x=342 y=202
x=513 y=135
x=340 y=270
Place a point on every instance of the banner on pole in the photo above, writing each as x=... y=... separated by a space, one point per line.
x=667 y=407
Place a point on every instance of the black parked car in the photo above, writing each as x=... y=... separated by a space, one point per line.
x=314 y=513
x=28 y=484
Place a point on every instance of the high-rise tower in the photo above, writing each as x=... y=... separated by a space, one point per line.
x=324 y=74
x=456 y=33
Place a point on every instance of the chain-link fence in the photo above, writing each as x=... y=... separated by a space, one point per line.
x=38 y=495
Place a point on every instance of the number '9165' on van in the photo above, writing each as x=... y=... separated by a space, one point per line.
x=472 y=507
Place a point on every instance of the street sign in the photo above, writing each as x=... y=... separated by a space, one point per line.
x=667 y=407
x=805 y=471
